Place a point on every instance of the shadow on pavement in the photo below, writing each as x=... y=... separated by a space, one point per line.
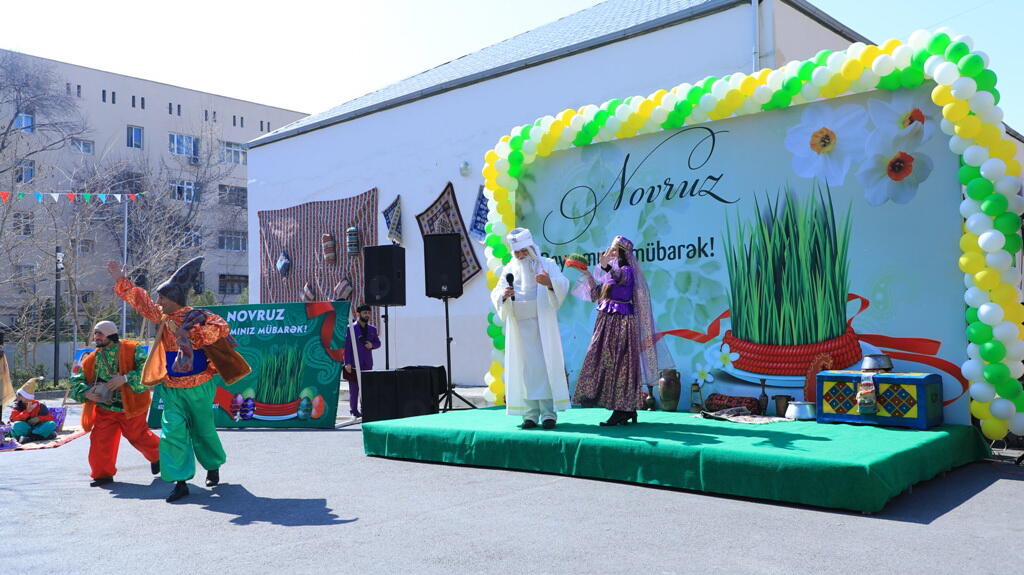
x=237 y=500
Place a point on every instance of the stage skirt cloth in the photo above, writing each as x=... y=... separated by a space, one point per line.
x=610 y=376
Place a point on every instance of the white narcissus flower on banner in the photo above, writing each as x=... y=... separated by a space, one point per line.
x=909 y=114
x=827 y=142
x=703 y=375
x=723 y=357
x=893 y=169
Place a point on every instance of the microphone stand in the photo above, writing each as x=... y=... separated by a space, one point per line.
x=446 y=398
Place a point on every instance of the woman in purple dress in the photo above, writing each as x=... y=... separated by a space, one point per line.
x=622 y=355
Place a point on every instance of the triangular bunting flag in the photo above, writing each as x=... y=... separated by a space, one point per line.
x=39 y=197
x=132 y=197
x=102 y=197
x=4 y=196
x=56 y=197
x=117 y=197
x=88 y=197
x=21 y=195
x=71 y=197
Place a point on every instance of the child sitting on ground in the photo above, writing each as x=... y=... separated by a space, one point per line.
x=30 y=419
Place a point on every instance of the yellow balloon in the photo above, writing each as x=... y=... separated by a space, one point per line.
x=955 y=110
x=505 y=138
x=1020 y=330
x=490 y=157
x=500 y=196
x=762 y=75
x=565 y=116
x=1004 y=295
x=941 y=95
x=748 y=85
x=646 y=107
x=734 y=98
x=994 y=429
x=658 y=96
x=1005 y=149
x=986 y=278
x=869 y=54
x=890 y=45
x=972 y=263
x=498 y=386
x=1013 y=168
x=980 y=410
x=968 y=126
x=509 y=220
x=852 y=69
x=988 y=135
x=496 y=369
x=492 y=280
x=969 y=243
x=840 y=84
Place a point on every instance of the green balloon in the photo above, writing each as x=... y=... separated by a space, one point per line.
x=971 y=65
x=979 y=188
x=1013 y=242
x=920 y=58
x=499 y=342
x=515 y=170
x=1019 y=402
x=957 y=50
x=979 y=332
x=1007 y=389
x=601 y=117
x=806 y=70
x=938 y=43
x=683 y=107
x=971 y=315
x=997 y=373
x=525 y=132
x=994 y=205
x=708 y=82
x=992 y=351
x=591 y=129
x=613 y=105
x=911 y=77
x=967 y=173
x=890 y=82
x=488 y=228
x=821 y=58
x=673 y=120
x=493 y=331
x=516 y=143
x=986 y=80
x=492 y=240
x=995 y=95
x=1008 y=223
x=515 y=157
x=501 y=252
x=694 y=95
x=792 y=86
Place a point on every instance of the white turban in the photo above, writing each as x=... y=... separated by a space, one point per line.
x=107 y=328
x=520 y=238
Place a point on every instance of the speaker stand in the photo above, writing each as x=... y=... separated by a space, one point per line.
x=387 y=342
x=445 y=402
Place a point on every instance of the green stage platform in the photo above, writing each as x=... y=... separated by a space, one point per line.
x=827 y=465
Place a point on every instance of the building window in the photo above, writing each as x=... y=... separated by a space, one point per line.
x=25 y=278
x=133 y=101
x=25 y=172
x=135 y=137
x=182 y=145
x=192 y=238
x=206 y=115
x=179 y=109
x=23 y=223
x=170 y=108
x=234 y=153
x=82 y=246
x=261 y=125
x=184 y=191
x=85 y=297
x=104 y=96
x=232 y=241
x=78 y=90
x=82 y=146
x=142 y=102
x=215 y=115
x=241 y=121
x=232 y=284
x=234 y=196
x=25 y=122
x=268 y=126
x=113 y=97
x=67 y=87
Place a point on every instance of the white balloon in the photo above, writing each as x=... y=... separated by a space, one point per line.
x=821 y=76
x=855 y=50
x=1017 y=204
x=669 y=101
x=588 y=112
x=720 y=88
x=965 y=39
x=991 y=240
x=682 y=90
x=993 y=115
x=775 y=79
x=867 y=81
x=959 y=145
x=973 y=351
x=964 y=88
x=978 y=224
x=990 y=313
x=969 y=207
x=707 y=103
x=932 y=64
x=502 y=149
x=982 y=391
x=500 y=228
x=968 y=281
x=981 y=101
x=984 y=57
x=1000 y=260
x=735 y=80
x=1017 y=424
x=1015 y=350
x=809 y=91
x=1002 y=408
x=1008 y=185
x=946 y=73
x=902 y=56
x=762 y=94
x=883 y=65
x=947 y=127
x=975 y=156
x=973 y=369
x=993 y=169
x=976 y=297
x=793 y=67
x=918 y=39
x=1005 y=331
x=835 y=62
x=1016 y=368
x=1011 y=276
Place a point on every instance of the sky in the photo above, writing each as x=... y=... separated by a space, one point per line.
x=310 y=56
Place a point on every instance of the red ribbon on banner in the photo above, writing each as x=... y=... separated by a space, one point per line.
x=223 y=398
x=326 y=308
x=919 y=350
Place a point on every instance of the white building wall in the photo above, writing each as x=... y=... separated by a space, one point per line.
x=414 y=149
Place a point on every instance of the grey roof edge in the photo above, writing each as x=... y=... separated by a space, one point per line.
x=684 y=15
x=815 y=13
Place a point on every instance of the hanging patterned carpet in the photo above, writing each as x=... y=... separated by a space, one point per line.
x=827 y=465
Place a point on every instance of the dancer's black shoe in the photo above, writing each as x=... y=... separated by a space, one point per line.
x=180 y=490
x=619 y=418
x=101 y=481
x=212 y=477
x=154 y=467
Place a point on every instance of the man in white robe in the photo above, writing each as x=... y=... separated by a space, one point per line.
x=535 y=381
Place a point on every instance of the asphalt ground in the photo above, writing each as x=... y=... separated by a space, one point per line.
x=301 y=501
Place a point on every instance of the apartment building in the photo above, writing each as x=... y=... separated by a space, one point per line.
x=172 y=148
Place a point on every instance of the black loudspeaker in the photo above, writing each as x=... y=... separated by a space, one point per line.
x=442 y=265
x=384 y=275
x=397 y=394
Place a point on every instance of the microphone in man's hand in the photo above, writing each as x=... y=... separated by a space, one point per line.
x=509 y=278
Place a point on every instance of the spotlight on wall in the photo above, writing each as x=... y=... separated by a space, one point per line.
x=464 y=168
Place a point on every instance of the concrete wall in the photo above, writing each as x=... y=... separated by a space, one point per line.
x=43 y=355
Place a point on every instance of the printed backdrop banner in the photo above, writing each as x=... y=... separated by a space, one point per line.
x=296 y=353
x=852 y=204
x=443 y=217
x=297 y=231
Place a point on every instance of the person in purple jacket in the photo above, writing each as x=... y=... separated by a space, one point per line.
x=367 y=340
x=622 y=355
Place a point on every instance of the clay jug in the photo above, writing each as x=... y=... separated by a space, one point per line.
x=669 y=387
